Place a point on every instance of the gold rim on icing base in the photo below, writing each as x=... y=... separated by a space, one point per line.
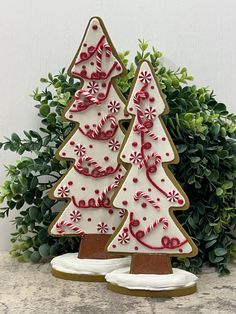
x=77 y=277
x=153 y=294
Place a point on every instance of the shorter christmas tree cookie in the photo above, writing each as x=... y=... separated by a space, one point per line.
x=149 y=193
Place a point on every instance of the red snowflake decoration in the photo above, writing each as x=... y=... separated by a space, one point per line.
x=80 y=150
x=93 y=87
x=114 y=106
x=173 y=196
x=150 y=113
x=114 y=145
x=122 y=212
x=75 y=216
x=102 y=227
x=135 y=158
x=63 y=191
x=123 y=238
x=145 y=77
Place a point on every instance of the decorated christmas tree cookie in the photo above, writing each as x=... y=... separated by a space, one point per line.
x=149 y=193
x=97 y=108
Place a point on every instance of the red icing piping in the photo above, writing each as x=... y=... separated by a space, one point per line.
x=91 y=203
x=91 y=54
x=167 y=242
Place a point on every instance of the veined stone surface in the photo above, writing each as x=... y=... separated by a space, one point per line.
x=30 y=288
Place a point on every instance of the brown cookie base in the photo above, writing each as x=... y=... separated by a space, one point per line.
x=78 y=277
x=92 y=246
x=158 y=264
x=153 y=294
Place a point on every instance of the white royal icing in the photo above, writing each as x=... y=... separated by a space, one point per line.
x=69 y=263
x=178 y=279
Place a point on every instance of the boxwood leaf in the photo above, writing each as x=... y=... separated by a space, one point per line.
x=44 y=110
x=33 y=212
x=227 y=185
x=195 y=159
x=219 y=191
x=44 y=250
x=220 y=251
x=35 y=257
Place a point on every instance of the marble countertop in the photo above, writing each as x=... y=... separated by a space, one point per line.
x=30 y=288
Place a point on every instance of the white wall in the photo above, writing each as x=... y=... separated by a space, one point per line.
x=41 y=36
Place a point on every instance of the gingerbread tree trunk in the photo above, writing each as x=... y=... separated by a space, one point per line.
x=149 y=191
x=93 y=146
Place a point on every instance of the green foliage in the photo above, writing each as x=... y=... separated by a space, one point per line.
x=203 y=132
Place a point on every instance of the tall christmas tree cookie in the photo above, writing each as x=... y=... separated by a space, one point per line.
x=150 y=194
x=96 y=108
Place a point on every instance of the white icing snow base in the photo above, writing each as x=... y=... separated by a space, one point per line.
x=70 y=263
x=178 y=279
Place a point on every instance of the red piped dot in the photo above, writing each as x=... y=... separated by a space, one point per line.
x=120 y=170
x=148 y=124
x=83 y=73
x=63 y=154
x=180 y=250
x=106 y=158
x=144 y=205
x=99 y=113
x=134 y=144
x=158 y=199
x=104 y=84
x=135 y=180
x=149 y=190
x=89 y=219
x=96 y=191
x=162 y=180
x=118 y=68
x=100 y=95
x=92 y=63
x=131 y=109
x=70 y=183
x=123 y=156
x=72 y=143
x=136 y=248
x=110 y=211
x=113 y=228
x=94 y=27
x=163 y=139
x=167 y=154
x=125 y=229
x=144 y=218
x=74 y=106
x=152 y=87
x=85 y=45
x=86 y=126
x=114 y=246
x=71 y=116
x=83 y=188
x=90 y=146
x=147 y=145
x=124 y=189
x=180 y=202
x=84 y=66
x=124 y=203
x=151 y=99
x=94 y=125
